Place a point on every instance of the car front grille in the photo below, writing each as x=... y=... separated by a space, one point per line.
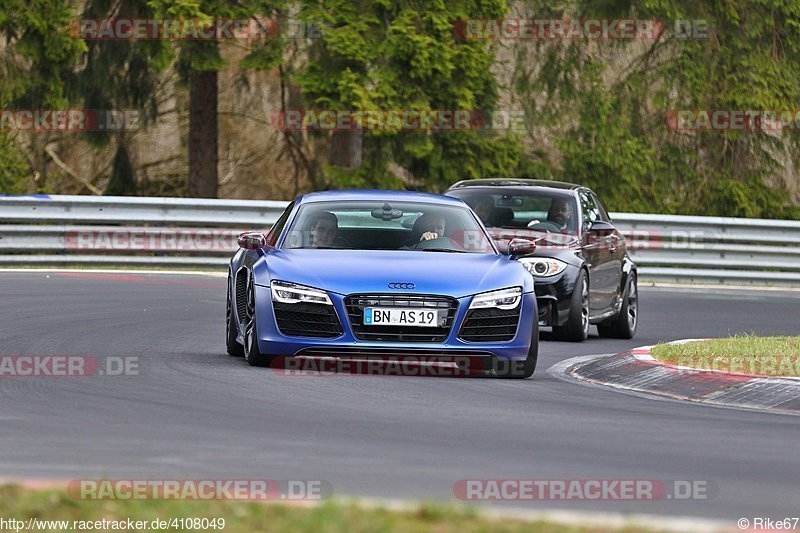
x=355 y=310
x=307 y=320
x=241 y=295
x=490 y=325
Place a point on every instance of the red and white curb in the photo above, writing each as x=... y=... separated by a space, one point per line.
x=637 y=370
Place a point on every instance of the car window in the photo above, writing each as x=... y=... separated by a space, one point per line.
x=601 y=209
x=379 y=225
x=277 y=228
x=539 y=210
x=589 y=209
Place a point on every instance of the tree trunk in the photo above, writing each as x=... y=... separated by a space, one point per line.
x=346 y=148
x=203 y=153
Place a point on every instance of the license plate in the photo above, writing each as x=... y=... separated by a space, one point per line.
x=385 y=316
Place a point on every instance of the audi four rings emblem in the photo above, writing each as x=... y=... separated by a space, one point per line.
x=401 y=285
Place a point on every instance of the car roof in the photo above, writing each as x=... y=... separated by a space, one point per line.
x=515 y=182
x=378 y=195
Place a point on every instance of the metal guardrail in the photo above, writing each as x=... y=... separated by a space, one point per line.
x=716 y=250
x=199 y=233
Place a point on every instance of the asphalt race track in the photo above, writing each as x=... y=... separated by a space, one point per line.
x=194 y=412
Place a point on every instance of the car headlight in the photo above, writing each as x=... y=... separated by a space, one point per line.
x=292 y=293
x=502 y=299
x=543 y=266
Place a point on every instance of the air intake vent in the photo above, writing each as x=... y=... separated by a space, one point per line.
x=355 y=310
x=490 y=325
x=307 y=320
x=241 y=294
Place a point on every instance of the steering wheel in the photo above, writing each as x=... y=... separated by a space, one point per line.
x=439 y=242
x=546 y=225
x=341 y=242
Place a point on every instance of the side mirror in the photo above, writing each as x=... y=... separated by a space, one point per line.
x=252 y=240
x=521 y=247
x=601 y=228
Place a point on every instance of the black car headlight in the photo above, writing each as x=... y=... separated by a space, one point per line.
x=502 y=299
x=543 y=266
x=292 y=293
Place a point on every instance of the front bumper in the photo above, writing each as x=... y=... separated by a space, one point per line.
x=554 y=295
x=272 y=342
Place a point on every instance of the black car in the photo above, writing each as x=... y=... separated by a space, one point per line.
x=583 y=273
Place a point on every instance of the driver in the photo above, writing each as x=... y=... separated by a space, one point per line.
x=323 y=230
x=432 y=227
x=426 y=228
x=560 y=213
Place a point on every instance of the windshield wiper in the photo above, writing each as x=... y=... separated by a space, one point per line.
x=442 y=250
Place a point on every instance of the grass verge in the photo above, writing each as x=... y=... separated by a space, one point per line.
x=750 y=354
x=330 y=517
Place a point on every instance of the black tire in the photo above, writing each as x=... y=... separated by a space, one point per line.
x=577 y=327
x=234 y=348
x=520 y=369
x=523 y=369
x=252 y=354
x=624 y=325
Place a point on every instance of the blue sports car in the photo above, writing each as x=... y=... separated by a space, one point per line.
x=382 y=275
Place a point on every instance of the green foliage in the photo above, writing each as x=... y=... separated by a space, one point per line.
x=40 y=54
x=200 y=55
x=393 y=56
x=13 y=169
x=594 y=109
x=606 y=152
x=37 y=57
x=120 y=74
x=610 y=126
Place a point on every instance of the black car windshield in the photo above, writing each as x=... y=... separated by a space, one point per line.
x=538 y=211
x=377 y=225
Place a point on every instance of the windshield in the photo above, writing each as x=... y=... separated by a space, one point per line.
x=540 y=211
x=376 y=225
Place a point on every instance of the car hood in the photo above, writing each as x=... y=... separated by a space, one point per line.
x=351 y=271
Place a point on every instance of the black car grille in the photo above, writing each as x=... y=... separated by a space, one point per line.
x=241 y=295
x=490 y=325
x=307 y=320
x=355 y=310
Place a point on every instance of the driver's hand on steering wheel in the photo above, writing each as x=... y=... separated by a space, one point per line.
x=429 y=236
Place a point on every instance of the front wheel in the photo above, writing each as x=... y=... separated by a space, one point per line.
x=623 y=326
x=523 y=369
x=577 y=327
x=252 y=353
x=234 y=348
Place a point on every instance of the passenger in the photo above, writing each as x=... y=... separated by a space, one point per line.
x=323 y=230
x=484 y=208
